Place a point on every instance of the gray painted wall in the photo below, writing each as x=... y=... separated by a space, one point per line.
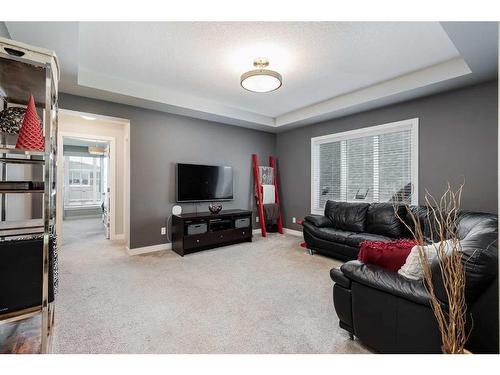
x=159 y=140
x=457 y=139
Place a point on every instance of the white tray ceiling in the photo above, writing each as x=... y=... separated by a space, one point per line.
x=329 y=68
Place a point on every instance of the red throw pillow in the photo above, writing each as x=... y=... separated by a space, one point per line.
x=389 y=255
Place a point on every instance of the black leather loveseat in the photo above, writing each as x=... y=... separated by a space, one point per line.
x=345 y=225
x=392 y=314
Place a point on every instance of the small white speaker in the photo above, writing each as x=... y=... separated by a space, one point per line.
x=176 y=210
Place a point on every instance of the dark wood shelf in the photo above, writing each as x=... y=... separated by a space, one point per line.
x=215 y=235
x=209 y=215
x=21 y=161
x=22 y=187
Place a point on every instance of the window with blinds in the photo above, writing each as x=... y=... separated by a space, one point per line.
x=375 y=164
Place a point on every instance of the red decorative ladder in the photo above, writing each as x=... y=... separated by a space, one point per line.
x=259 y=193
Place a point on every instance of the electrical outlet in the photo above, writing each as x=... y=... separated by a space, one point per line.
x=256 y=219
x=163 y=230
x=294 y=220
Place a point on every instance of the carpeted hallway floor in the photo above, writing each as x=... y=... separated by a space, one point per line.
x=268 y=296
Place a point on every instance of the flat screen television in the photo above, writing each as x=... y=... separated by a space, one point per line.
x=199 y=183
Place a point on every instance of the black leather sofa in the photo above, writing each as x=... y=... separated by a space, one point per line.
x=345 y=225
x=390 y=313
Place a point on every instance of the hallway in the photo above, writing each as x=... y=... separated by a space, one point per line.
x=77 y=230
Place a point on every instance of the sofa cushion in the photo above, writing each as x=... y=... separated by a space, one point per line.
x=427 y=222
x=381 y=219
x=479 y=250
x=355 y=239
x=339 y=278
x=419 y=212
x=333 y=235
x=326 y=233
x=319 y=221
x=390 y=282
x=347 y=216
x=332 y=249
x=471 y=223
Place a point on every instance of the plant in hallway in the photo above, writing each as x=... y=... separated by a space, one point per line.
x=444 y=274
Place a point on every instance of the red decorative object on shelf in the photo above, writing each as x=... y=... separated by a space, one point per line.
x=31 y=136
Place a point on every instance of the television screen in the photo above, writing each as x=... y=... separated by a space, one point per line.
x=196 y=183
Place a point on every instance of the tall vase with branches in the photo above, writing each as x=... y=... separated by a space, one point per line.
x=440 y=223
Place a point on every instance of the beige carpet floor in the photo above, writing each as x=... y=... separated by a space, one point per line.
x=268 y=296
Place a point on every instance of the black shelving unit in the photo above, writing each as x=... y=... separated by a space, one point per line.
x=26 y=70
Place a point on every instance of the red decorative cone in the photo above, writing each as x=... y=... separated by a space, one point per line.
x=30 y=136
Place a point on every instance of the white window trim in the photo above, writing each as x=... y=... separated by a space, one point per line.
x=94 y=169
x=410 y=124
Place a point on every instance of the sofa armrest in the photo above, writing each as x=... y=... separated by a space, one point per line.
x=386 y=281
x=319 y=221
x=338 y=277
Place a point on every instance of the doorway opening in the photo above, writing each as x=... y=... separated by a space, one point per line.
x=86 y=186
x=93 y=177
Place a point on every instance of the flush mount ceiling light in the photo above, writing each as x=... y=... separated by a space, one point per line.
x=96 y=150
x=261 y=79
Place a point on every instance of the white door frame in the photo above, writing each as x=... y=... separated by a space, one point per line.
x=112 y=174
x=111 y=177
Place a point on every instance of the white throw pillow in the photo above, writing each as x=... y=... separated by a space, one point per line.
x=412 y=269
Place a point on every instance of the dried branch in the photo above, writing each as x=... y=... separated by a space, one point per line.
x=440 y=226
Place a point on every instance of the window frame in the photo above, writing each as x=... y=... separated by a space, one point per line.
x=409 y=124
x=83 y=171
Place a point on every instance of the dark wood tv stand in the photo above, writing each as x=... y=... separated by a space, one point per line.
x=210 y=230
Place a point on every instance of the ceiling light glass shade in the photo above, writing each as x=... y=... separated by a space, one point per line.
x=261 y=80
x=96 y=150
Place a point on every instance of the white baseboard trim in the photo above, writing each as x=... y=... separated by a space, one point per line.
x=149 y=249
x=78 y=217
x=168 y=246
x=292 y=232
x=120 y=236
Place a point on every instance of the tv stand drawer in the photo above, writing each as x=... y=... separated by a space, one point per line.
x=243 y=233
x=213 y=238
x=196 y=240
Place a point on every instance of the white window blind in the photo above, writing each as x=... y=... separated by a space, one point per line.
x=375 y=164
